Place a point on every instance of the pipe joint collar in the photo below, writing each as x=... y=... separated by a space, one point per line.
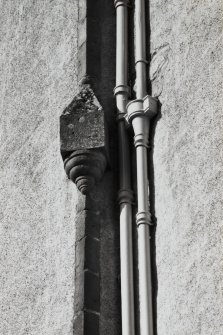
x=144 y=61
x=125 y=196
x=122 y=89
x=143 y=218
x=142 y=107
x=141 y=140
x=118 y=3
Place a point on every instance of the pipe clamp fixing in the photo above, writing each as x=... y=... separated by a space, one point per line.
x=143 y=218
x=142 y=107
x=118 y=3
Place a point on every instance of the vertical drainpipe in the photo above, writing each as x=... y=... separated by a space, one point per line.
x=121 y=92
x=140 y=111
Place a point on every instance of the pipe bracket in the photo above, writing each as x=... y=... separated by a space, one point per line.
x=141 y=107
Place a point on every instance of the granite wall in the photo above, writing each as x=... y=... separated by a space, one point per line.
x=187 y=76
x=38 y=203
x=40 y=207
x=45 y=248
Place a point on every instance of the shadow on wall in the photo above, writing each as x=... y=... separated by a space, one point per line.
x=151 y=176
x=152 y=200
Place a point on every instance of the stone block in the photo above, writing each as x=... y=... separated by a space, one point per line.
x=91 y=323
x=82 y=124
x=91 y=291
x=78 y=325
x=83 y=140
x=92 y=248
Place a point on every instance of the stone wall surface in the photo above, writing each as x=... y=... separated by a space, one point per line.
x=38 y=204
x=187 y=76
x=41 y=253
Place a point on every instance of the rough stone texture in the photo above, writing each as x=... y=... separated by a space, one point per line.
x=39 y=256
x=82 y=124
x=186 y=73
x=97 y=262
x=37 y=239
x=105 y=197
x=43 y=216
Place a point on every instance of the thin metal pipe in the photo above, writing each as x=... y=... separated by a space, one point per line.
x=139 y=113
x=140 y=49
x=121 y=43
x=125 y=194
x=140 y=122
x=144 y=262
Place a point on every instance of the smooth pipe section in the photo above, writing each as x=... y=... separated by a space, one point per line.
x=145 y=290
x=127 y=297
x=121 y=43
x=126 y=250
x=140 y=49
x=144 y=261
x=124 y=156
x=139 y=113
x=121 y=92
x=141 y=124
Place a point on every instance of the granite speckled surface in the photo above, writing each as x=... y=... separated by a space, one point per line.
x=37 y=238
x=38 y=79
x=187 y=76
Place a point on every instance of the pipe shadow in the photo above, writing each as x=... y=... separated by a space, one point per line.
x=152 y=201
x=101 y=65
x=151 y=177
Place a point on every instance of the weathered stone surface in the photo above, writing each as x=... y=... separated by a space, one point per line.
x=186 y=73
x=82 y=124
x=91 y=325
x=38 y=203
x=83 y=140
x=105 y=196
x=92 y=254
x=86 y=167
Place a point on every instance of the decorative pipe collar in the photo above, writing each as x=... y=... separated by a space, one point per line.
x=125 y=3
x=141 y=107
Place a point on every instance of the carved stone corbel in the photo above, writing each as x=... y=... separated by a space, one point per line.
x=83 y=140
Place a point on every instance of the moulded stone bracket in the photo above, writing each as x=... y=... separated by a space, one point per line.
x=83 y=140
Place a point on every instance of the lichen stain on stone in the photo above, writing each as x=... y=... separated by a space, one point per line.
x=85 y=101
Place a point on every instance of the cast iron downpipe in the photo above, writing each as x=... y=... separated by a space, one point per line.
x=139 y=113
x=121 y=92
